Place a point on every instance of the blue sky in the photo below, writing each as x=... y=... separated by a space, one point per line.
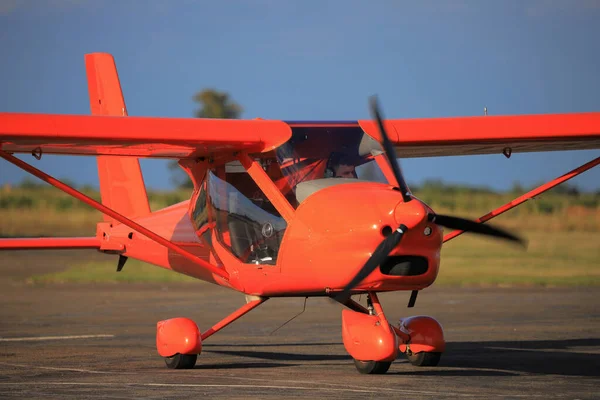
x=314 y=60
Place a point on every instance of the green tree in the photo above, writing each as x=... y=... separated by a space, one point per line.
x=213 y=104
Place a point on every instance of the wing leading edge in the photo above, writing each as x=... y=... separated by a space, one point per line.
x=137 y=136
x=434 y=137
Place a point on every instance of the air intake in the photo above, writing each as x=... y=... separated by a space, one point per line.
x=404 y=266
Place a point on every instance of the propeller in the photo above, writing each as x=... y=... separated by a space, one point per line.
x=384 y=248
x=389 y=150
x=475 y=227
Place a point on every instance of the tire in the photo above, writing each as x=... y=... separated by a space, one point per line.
x=181 y=361
x=424 y=359
x=372 y=367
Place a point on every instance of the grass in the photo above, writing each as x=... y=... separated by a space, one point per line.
x=551 y=259
x=105 y=272
x=45 y=222
x=41 y=210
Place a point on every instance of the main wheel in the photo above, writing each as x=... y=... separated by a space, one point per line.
x=372 y=367
x=181 y=361
x=424 y=359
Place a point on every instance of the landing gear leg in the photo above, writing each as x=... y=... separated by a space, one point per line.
x=240 y=312
x=179 y=341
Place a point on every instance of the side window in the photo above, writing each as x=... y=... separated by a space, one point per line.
x=200 y=213
x=246 y=222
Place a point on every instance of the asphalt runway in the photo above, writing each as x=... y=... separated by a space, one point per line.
x=502 y=343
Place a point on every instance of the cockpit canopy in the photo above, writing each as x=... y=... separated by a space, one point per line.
x=322 y=153
x=244 y=219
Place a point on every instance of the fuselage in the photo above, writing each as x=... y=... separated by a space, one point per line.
x=332 y=234
x=299 y=220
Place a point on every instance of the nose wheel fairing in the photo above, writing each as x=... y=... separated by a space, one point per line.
x=374 y=343
x=426 y=335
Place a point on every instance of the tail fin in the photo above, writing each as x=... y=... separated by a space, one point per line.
x=121 y=183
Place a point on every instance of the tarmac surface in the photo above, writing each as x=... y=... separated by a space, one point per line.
x=98 y=341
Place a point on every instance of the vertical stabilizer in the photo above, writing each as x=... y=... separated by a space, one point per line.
x=121 y=183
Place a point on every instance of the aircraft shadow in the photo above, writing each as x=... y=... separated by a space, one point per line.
x=550 y=357
x=497 y=358
x=436 y=371
x=280 y=356
x=243 y=365
x=209 y=345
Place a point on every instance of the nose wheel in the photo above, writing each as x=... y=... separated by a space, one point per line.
x=369 y=338
x=424 y=359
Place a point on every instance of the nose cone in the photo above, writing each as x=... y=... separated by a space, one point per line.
x=411 y=213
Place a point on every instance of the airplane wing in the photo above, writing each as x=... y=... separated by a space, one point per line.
x=137 y=136
x=193 y=137
x=434 y=137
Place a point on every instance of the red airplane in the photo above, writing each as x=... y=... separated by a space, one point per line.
x=283 y=208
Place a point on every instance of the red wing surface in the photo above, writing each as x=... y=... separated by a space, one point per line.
x=433 y=137
x=137 y=136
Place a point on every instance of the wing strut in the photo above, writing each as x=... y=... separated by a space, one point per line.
x=532 y=193
x=115 y=215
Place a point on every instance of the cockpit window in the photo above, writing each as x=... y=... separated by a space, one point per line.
x=319 y=153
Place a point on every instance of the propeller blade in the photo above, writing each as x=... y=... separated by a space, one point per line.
x=389 y=150
x=471 y=226
x=380 y=254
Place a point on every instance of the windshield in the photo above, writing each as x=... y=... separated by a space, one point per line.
x=321 y=153
x=246 y=222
